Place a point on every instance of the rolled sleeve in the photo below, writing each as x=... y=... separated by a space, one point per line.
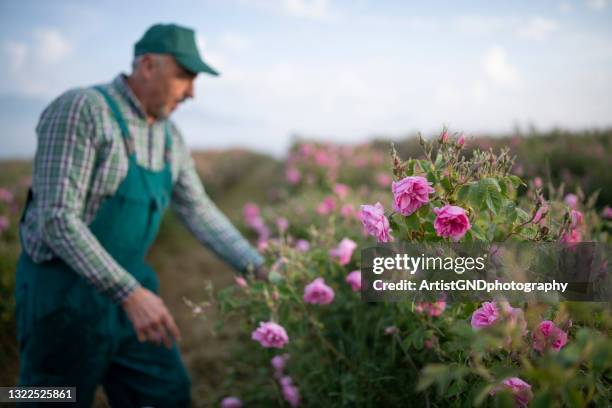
x=204 y=219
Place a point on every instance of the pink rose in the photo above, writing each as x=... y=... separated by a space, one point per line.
x=4 y=223
x=327 y=206
x=261 y=228
x=262 y=245
x=347 y=211
x=548 y=335
x=307 y=149
x=282 y=224
x=432 y=309
x=461 y=140
x=520 y=390
x=342 y=190
x=302 y=245
x=354 y=279
x=436 y=308
x=270 y=334
x=323 y=159
x=317 y=292
x=537 y=182
x=383 y=179
x=577 y=218
x=293 y=175
x=241 y=282
x=514 y=317
x=279 y=363
x=607 y=212
x=6 y=195
x=410 y=193
x=571 y=200
x=541 y=213
x=251 y=212
x=375 y=222
x=290 y=392
x=391 y=330
x=444 y=137
x=285 y=381
x=571 y=237
x=344 y=251
x=451 y=221
x=231 y=402
x=485 y=316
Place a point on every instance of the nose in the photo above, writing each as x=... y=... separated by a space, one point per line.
x=190 y=92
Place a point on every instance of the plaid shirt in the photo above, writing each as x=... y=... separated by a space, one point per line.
x=81 y=159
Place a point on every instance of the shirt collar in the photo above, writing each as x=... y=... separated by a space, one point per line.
x=120 y=84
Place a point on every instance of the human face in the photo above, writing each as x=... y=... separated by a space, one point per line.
x=168 y=85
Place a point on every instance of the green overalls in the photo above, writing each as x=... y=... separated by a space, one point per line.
x=71 y=335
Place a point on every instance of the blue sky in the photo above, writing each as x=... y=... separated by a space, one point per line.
x=341 y=71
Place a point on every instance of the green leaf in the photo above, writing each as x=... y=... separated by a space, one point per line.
x=522 y=214
x=477 y=233
x=418 y=338
x=491 y=232
x=393 y=224
x=455 y=389
x=412 y=222
x=431 y=176
x=439 y=160
x=543 y=400
x=425 y=165
x=463 y=193
x=275 y=278
x=423 y=211
x=516 y=181
x=430 y=374
x=509 y=211
x=411 y=164
x=483 y=394
x=446 y=184
x=486 y=193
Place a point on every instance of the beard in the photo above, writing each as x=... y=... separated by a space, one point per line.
x=161 y=112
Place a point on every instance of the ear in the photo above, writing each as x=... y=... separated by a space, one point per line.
x=147 y=66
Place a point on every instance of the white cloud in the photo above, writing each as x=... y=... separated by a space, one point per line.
x=479 y=24
x=479 y=91
x=538 y=29
x=16 y=54
x=314 y=9
x=446 y=94
x=31 y=64
x=234 y=42
x=201 y=43
x=597 y=4
x=565 y=7
x=498 y=68
x=307 y=9
x=50 y=46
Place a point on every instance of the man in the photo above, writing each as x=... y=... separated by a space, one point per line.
x=108 y=163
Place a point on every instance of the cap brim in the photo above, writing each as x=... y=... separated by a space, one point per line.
x=195 y=65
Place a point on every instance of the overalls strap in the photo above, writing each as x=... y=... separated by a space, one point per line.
x=125 y=133
x=168 y=143
x=129 y=143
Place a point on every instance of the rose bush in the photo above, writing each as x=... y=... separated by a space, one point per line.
x=345 y=352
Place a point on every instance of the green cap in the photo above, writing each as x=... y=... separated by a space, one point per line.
x=174 y=40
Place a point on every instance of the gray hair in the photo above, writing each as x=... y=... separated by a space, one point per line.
x=158 y=58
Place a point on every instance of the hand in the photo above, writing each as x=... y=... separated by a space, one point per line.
x=151 y=319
